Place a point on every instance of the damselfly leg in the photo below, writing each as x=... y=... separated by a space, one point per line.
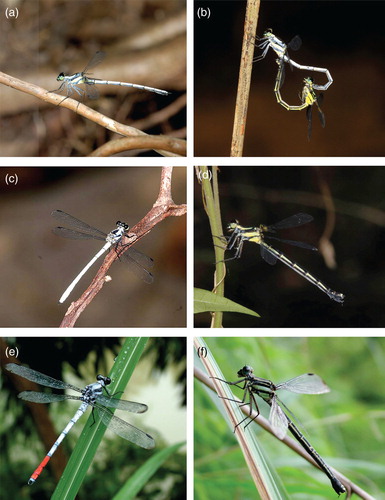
x=239 y=234
x=308 y=383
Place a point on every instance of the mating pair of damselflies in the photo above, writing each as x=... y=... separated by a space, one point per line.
x=308 y=383
x=307 y=95
x=271 y=41
x=136 y=261
x=240 y=234
x=95 y=395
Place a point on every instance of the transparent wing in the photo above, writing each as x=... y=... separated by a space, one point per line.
x=309 y=121
x=136 y=260
x=321 y=115
x=96 y=59
x=295 y=43
x=292 y=221
x=267 y=256
x=122 y=404
x=139 y=257
x=308 y=383
x=300 y=244
x=91 y=91
x=39 y=378
x=126 y=430
x=77 y=224
x=278 y=419
x=42 y=397
x=75 y=235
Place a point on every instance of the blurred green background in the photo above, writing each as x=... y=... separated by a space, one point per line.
x=345 y=426
x=158 y=381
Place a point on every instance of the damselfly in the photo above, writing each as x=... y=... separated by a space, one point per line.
x=308 y=383
x=309 y=97
x=92 y=395
x=136 y=260
x=240 y=234
x=70 y=83
x=269 y=40
x=277 y=92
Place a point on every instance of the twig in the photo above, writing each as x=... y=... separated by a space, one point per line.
x=163 y=207
x=162 y=115
x=288 y=441
x=250 y=28
x=171 y=144
x=74 y=105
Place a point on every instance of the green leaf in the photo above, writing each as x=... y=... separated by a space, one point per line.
x=263 y=474
x=93 y=432
x=205 y=301
x=138 y=480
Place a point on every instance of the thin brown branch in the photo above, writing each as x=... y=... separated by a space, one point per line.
x=75 y=106
x=288 y=441
x=133 y=60
x=156 y=142
x=162 y=115
x=163 y=207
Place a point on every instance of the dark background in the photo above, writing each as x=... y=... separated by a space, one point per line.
x=266 y=195
x=347 y=37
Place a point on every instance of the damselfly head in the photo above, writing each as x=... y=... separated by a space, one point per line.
x=232 y=225
x=122 y=225
x=60 y=77
x=245 y=371
x=105 y=380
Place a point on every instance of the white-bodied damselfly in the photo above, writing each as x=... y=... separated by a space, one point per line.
x=81 y=230
x=70 y=83
x=269 y=40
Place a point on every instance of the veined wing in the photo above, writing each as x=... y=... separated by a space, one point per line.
x=126 y=430
x=136 y=261
x=44 y=397
x=39 y=378
x=278 y=419
x=308 y=383
x=122 y=404
x=77 y=224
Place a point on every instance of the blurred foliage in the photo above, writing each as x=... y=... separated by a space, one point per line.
x=345 y=426
x=114 y=462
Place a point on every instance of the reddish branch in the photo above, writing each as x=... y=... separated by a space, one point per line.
x=163 y=207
